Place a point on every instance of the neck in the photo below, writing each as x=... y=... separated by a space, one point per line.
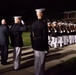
x=39 y=17
x=17 y=23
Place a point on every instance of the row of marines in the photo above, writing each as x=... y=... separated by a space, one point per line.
x=61 y=33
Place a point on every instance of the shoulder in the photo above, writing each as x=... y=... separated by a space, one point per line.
x=4 y=27
x=1 y=26
x=34 y=22
x=44 y=23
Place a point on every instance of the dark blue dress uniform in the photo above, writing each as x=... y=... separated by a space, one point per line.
x=60 y=33
x=39 y=40
x=17 y=42
x=16 y=35
x=54 y=32
x=39 y=35
x=4 y=42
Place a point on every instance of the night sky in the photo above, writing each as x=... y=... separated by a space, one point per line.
x=9 y=8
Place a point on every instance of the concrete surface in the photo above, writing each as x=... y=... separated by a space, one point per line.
x=54 y=57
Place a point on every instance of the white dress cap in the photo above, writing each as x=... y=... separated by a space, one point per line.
x=48 y=22
x=62 y=23
x=59 y=23
x=65 y=23
x=39 y=10
x=74 y=24
x=69 y=24
x=54 y=22
x=18 y=17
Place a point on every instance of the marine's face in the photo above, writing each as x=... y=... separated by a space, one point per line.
x=59 y=24
x=16 y=20
x=3 y=21
x=39 y=14
x=54 y=24
x=49 y=25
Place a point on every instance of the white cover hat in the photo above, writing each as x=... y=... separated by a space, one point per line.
x=48 y=22
x=59 y=23
x=18 y=17
x=54 y=22
x=40 y=10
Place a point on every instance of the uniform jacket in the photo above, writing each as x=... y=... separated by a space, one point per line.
x=64 y=30
x=4 y=33
x=54 y=32
x=39 y=35
x=60 y=32
x=16 y=35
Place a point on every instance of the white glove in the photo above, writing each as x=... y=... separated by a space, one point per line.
x=22 y=22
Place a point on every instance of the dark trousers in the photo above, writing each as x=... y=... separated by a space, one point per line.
x=4 y=53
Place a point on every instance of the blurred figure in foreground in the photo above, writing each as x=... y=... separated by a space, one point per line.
x=4 y=41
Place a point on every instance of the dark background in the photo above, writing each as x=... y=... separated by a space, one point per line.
x=26 y=8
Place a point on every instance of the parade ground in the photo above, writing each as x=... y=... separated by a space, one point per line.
x=61 y=61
